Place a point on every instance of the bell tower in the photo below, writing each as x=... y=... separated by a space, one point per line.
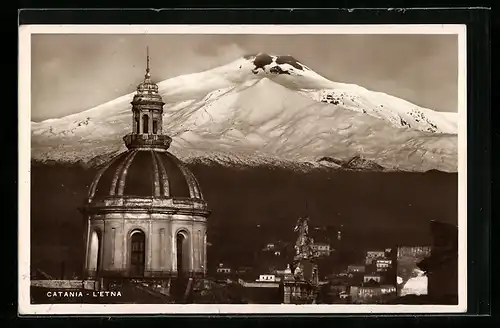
x=147 y=116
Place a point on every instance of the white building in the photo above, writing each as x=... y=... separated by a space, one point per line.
x=383 y=264
x=356 y=268
x=270 y=247
x=374 y=255
x=415 y=285
x=322 y=249
x=223 y=269
x=374 y=277
x=268 y=278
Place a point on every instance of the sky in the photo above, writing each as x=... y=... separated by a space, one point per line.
x=73 y=73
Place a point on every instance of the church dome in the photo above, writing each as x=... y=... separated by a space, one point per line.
x=145 y=205
x=145 y=173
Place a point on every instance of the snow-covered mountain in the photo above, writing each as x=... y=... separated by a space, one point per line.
x=263 y=109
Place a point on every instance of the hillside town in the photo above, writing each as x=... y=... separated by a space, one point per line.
x=396 y=274
x=304 y=272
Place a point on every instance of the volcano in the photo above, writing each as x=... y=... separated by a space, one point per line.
x=265 y=109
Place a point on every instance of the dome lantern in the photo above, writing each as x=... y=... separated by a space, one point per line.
x=147 y=116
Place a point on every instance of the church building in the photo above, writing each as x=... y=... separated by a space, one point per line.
x=145 y=213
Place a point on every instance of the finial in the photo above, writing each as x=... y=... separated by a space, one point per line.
x=147 y=63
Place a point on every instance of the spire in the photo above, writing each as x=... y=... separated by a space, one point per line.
x=147 y=121
x=147 y=86
x=148 y=75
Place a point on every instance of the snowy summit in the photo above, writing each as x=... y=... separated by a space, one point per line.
x=265 y=109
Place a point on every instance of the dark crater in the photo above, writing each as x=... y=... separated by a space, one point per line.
x=278 y=70
x=289 y=60
x=262 y=60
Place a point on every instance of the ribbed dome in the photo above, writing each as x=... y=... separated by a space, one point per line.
x=145 y=173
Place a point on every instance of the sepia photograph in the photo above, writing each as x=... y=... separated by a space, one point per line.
x=242 y=169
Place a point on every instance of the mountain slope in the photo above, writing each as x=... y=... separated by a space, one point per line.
x=287 y=71
x=261 y=109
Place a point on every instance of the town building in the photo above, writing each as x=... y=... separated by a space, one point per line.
x=300 y=290
x=223 y=269
x=371 y=277
x=269 y=277
x=417 y=284
x=414 y=251
x=372 y=294
x=441 y=267
x=338 y=288
x=331 y=293
x=383 y=265
x=145 y=213
x=266 y=289
x=321 y=249
x=261 y=292
x=371 y=256
x=410 y=278
x=340 y=278
x=270 y=247
x=355 y=269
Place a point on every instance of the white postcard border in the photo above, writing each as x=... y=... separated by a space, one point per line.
x=24 y=146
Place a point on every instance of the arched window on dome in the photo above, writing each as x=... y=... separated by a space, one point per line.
x=94 y=259
x=155 y=126
x=183 y=256
x=137 y=253
x=145 y=123
x=137 y=124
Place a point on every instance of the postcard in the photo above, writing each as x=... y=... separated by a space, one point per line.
x=242 y=169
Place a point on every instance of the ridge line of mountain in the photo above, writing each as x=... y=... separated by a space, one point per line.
x=350 y=165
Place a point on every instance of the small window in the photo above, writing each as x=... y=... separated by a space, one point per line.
x=155 y=126
x=137 y=125
x=145 y=124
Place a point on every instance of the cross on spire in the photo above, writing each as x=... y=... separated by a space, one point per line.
x=147 y=63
